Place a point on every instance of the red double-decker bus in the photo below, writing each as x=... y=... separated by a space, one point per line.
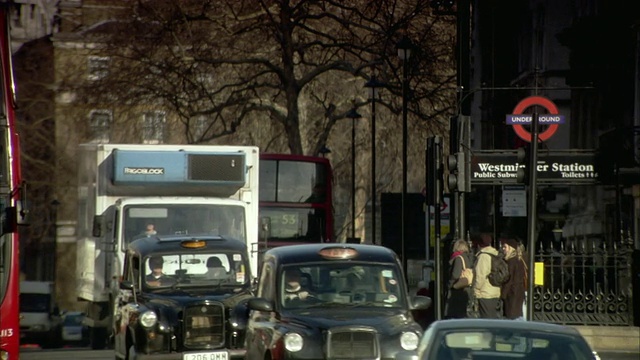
x=10 y=205
x=295 y=200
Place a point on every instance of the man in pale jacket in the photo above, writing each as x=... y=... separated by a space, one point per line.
x=487 y=295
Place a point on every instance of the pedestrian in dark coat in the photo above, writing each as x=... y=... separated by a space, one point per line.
x=460 y=281
x=513 y=291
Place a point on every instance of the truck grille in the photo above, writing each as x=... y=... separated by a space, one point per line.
x=204 y=326
x=352 y=343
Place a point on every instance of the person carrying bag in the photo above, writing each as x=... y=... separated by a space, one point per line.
x=460 y=281
x=466 y=276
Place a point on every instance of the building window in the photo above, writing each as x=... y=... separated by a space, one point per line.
x=153 y=125
x=98 y=67
x=100 y=125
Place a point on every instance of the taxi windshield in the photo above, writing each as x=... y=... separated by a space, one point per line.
x=195 y=269
x=341 y=284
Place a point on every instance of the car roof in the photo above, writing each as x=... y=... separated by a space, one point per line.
x=172 y=244
x=73 y=313
x=291 y=254
x=454 y=324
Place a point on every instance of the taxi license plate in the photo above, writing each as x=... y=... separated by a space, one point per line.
x=210 y=355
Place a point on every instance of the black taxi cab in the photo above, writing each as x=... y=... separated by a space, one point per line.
x=183 y=297
x=332 y=301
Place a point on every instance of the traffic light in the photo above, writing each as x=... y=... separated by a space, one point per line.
x=524 y=158
x=434 y=171
x=459 y=172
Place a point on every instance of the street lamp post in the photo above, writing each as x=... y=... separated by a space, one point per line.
x=353 y=115
x=324 y=151
x=373 y=86
x=53 y=231
x=404 y=52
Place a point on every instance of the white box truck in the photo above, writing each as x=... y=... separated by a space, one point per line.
x=129 y=190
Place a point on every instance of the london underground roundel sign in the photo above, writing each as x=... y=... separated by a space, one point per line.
x=523 y=133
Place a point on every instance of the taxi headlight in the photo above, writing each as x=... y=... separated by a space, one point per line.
x=409 y=340
x=293 y=342
x=148 y=319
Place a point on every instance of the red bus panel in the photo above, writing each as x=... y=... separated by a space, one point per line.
x=295 y=200
x=9 y=196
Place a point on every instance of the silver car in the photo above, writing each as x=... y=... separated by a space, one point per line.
x=73 y=331
x=500 y=339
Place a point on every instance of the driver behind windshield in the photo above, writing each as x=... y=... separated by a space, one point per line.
x=293 y=289
x=361 y=285
x=157 y=277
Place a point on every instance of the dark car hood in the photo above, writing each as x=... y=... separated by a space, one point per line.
x=382 y=319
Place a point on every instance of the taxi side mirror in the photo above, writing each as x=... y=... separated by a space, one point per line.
x=9 y=220
x=261 y=304
x=420 y=302
x=126 y=285
x=96 y=230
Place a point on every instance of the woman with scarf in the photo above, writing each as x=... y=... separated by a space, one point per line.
x=513 y=291
x=460 y=281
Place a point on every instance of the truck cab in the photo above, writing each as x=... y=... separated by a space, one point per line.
x=40 y=321
x=132 y=191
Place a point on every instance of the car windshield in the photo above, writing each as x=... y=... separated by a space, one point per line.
x=31 y=303
x=341 y=284
x=195 y=269
x=508 y=344
x=182 y=219
x=73 y=320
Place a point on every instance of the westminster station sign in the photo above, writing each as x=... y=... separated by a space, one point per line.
x=566 y=167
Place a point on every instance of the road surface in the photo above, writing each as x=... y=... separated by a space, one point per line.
x=86 y=353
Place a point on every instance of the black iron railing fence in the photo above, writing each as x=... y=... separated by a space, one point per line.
x=586 y=282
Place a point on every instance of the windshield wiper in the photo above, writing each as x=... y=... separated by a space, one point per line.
x=368 y=303
x=166 y=289
x=175 y=286
x=328 y=304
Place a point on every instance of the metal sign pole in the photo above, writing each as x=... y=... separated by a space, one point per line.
x=439 y=294
x=436 y=222
x=532 y=213
x=434 y=198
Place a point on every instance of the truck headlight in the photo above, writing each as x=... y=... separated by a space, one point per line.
x=409 y=340
x=148 y=319
x=293 y=342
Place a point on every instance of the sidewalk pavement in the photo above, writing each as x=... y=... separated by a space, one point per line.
x=612 y=338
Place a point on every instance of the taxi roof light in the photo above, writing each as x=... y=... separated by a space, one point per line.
x=338 y=253
x=193 y=244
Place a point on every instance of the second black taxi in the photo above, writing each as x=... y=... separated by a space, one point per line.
x=184 y=298
x=330 y=301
